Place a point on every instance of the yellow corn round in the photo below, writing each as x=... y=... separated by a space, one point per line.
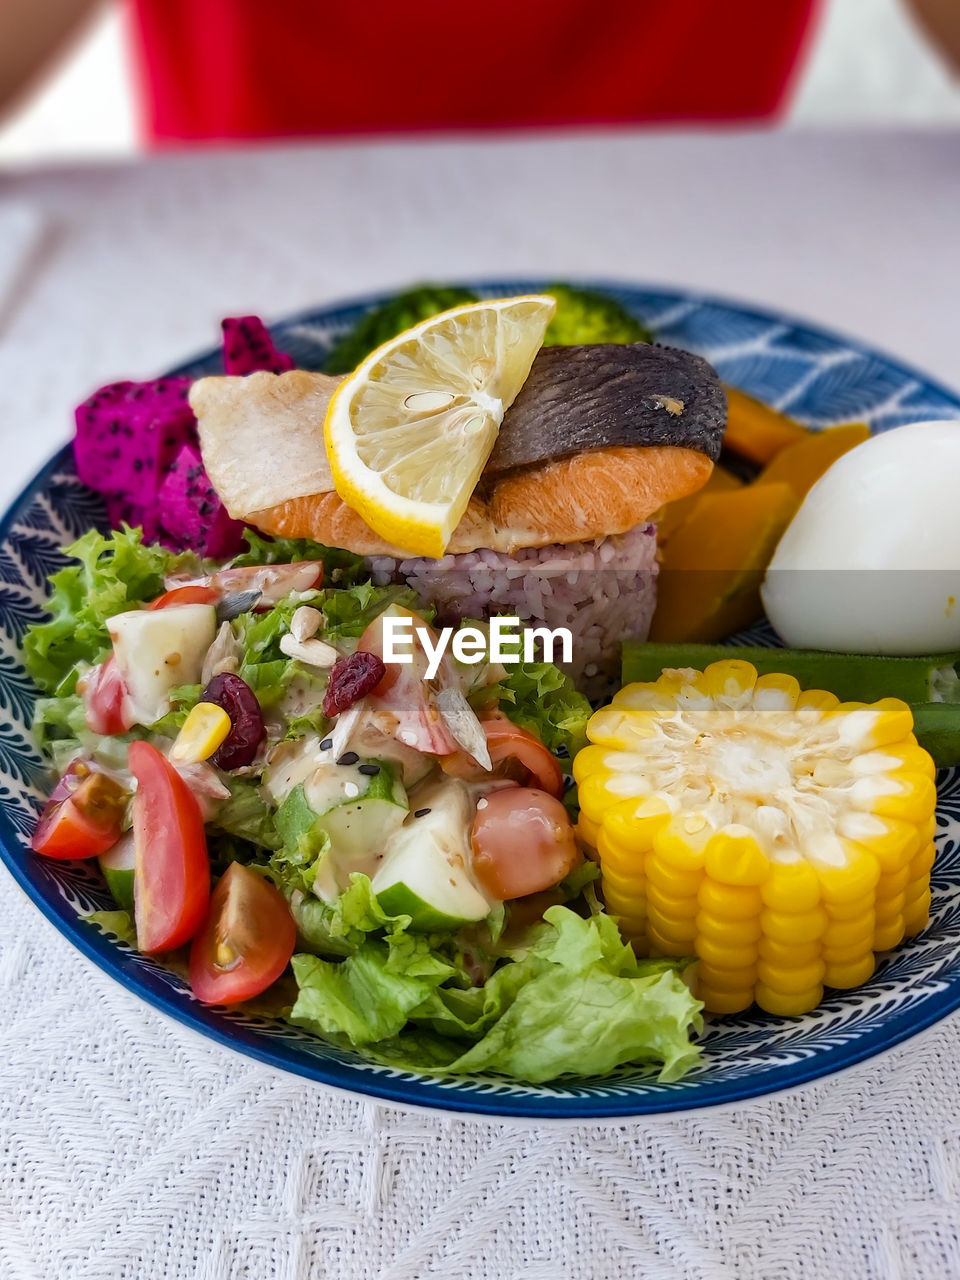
x=203 y=731
x=779 y=836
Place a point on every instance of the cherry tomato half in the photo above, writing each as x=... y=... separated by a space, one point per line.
x=83 y=817
x=514 y=753
x=522 y=842
x=196 y=594
x=103 y=699
x=171 y=867
x=246 y=941
x=507 y=741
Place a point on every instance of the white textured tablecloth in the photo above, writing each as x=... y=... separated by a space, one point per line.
x=129 y=1148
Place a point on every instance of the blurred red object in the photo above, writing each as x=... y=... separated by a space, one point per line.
x=221 y=69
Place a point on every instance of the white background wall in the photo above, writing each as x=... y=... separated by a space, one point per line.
x=869 y=64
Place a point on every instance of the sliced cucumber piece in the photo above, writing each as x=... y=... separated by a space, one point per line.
x=358 y=809
x=117 y=867
x=425 y=873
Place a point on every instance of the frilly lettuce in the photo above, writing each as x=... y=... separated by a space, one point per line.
x=574 y=1001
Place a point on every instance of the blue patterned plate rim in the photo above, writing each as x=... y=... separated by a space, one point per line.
x=619 y=1095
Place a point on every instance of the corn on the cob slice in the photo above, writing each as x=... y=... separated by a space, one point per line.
x=781 y=837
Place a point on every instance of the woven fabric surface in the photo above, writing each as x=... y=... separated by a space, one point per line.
x=130 y=1148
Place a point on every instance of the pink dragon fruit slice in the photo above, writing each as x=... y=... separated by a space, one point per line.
x=248 y=348
x=119 y=511
x=191 y=514
x=128 y=433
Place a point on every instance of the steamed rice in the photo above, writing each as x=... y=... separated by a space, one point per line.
x=603 y=591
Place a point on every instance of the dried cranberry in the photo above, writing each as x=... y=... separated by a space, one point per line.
x=247 y=729
x=350 y=680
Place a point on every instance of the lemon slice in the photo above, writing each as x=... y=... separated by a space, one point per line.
x=409 y=431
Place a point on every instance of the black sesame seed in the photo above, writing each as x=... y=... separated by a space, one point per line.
x=326 y=744
x=369 y=770
x=420 y=813
x=349 y=757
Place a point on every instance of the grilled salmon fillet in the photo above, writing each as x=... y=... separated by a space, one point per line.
x=262 y=443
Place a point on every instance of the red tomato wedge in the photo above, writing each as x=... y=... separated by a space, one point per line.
x=514 y=753
x=246 y=941
x=522 y=842
x=403 y=695
x=196 y=594
x=171 y=867
x=83 y=817
x=103 y=699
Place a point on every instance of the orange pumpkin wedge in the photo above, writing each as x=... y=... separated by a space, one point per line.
x=756 y=431
x=712 y=567
x=674 y=514
x=802 y=464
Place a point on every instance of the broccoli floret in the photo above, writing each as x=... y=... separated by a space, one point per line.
x=587 y=316
x=583 y=316
x=383 y=323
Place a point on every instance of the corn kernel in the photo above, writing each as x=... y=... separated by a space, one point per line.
x=588 y=830
x=783 y=953
x=723 y=956
x=203 y=731
x=722 y=1002
x=890 y=886
x=889 y=934
x=820 y=699
x=791 y=886
x=775 y=692
x=854 y=880
x=741 y=979
x=802 y=926
x=921 y=864
x=849 y=933
x=853 y=974
x=664 y=946
x=787 y=1005
x=789 y=980
x=668 y=904
x=916 y=914
x=740 y=932
x=681 y=847
x=736 y=858
x=679 y=932
x=730 y=901
x=847 y=955
x=681 y=883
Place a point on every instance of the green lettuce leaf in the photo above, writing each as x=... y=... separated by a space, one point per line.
x=581 y=1003
x=246 y=814
x=540 y=697
x=114 y=572
x=342 y=568
x=347 y=614
x=572 y=1001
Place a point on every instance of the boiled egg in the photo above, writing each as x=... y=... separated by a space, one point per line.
x=871 y=561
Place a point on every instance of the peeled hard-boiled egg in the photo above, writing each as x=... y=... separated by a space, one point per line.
x=871 y=561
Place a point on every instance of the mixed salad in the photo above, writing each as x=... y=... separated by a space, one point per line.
x=461 y=867
x=406 y=846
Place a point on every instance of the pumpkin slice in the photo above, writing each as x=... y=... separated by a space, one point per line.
x=756 y=431
x=712 y=567
x=802 y=464
x=674 y=514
